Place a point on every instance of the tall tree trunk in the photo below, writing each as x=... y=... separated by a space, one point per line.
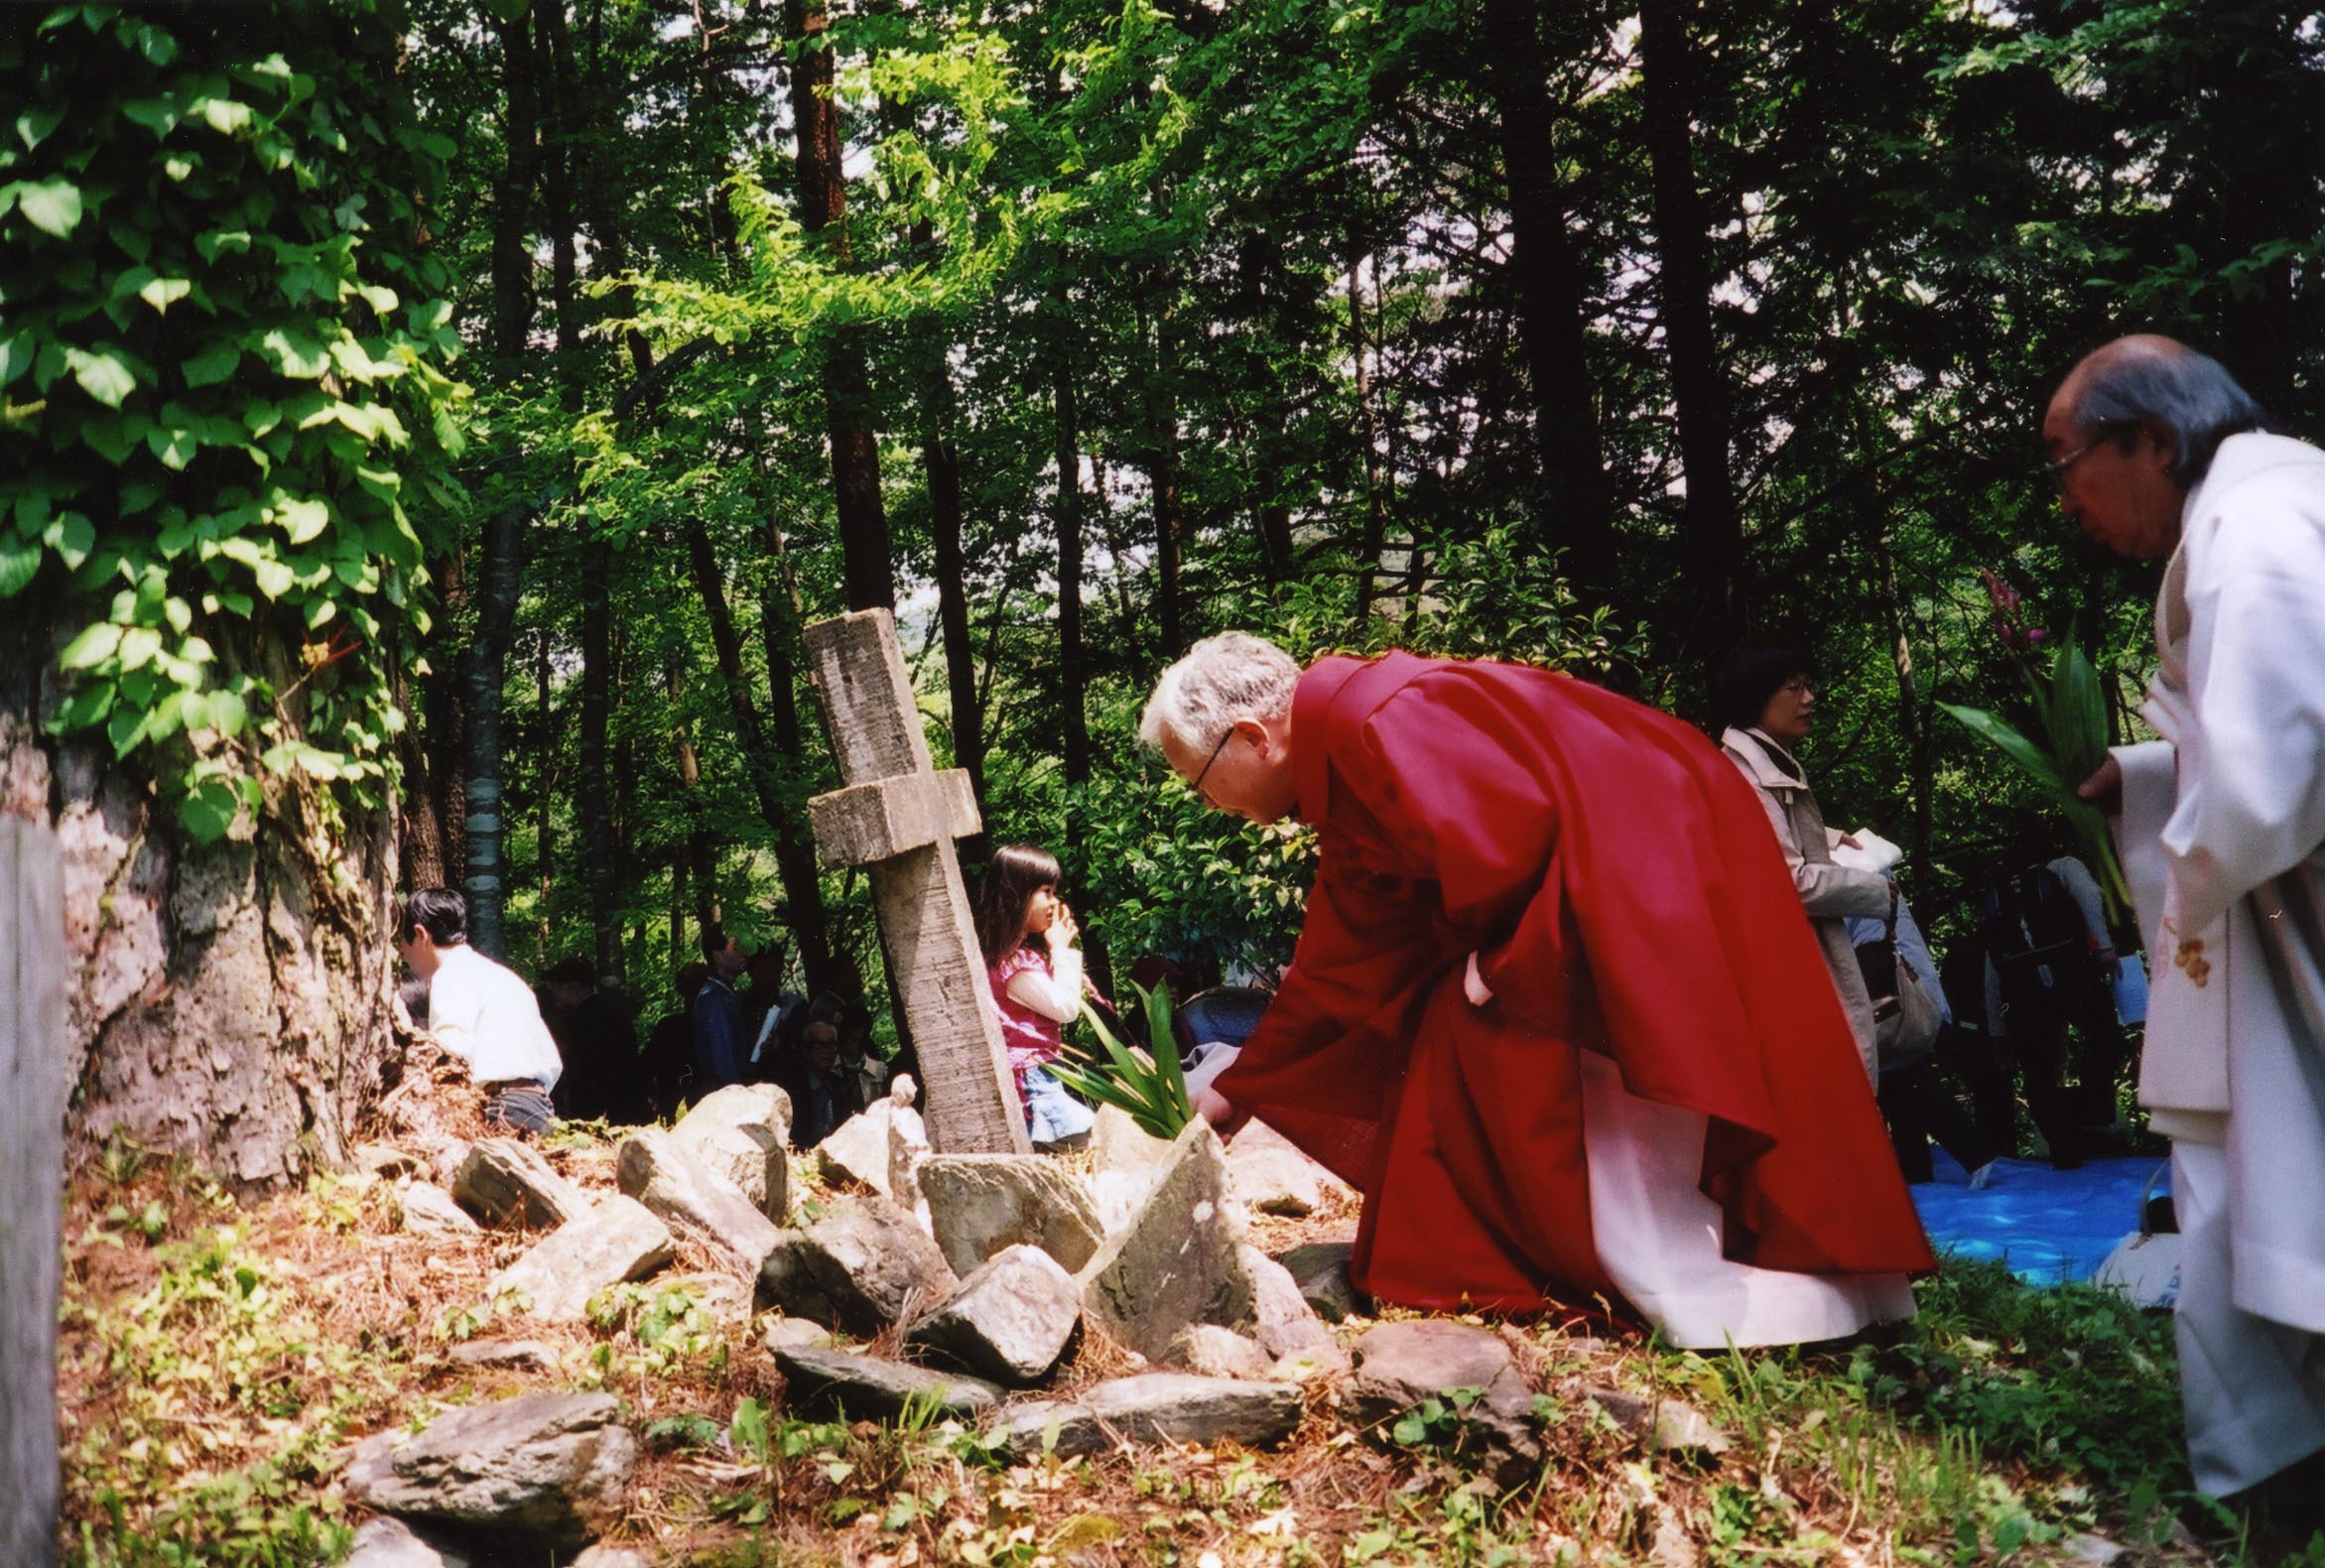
x=943 y=460
x=544 y=792
x=424 y=810
x=595 y=795
x=870 y=576
x=1071 y=674
x=701 y=853
x=512 y=195
x=483 y=670
x=1162 y=472
x=794 y=853
x=1714 y=550
x=1913 y=724
x=1550 y=303
x=1376 y=539
x=561 y=125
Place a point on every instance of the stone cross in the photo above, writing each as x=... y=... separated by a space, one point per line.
x=898 y=816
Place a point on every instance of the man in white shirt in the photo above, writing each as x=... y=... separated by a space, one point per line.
x=481 y=1011
x=2159 y=453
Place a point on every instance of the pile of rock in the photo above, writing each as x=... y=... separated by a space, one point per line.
x=987 y=1271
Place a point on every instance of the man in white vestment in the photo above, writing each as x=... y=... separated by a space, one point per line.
x=2158 y=452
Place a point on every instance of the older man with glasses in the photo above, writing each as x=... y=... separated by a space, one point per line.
x=1555 y=1011
x=2159 y=453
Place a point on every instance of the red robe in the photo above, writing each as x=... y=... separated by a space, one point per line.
x=1616 y=877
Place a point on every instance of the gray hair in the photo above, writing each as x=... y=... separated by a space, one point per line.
x=2156 y=380
x=1223 y=679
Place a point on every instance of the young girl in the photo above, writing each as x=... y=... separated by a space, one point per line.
x=1027 y=934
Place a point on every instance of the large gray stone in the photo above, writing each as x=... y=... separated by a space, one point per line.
x=1118 y=1143
x=617 y=1241
x=695 y=1201
x=1282 y=1320
x=1269 y=1173
x=860 y=1268
x=980 y=1204
x=545 y=1468
x=1175 y=1263
x=611 y=1557
x=1400 y=1364
x=506 y=1181
x=1321 y=1269
x=825 y=1382
x=1011 y=1320
x=1154 y=1407
x=388 y=1542
x=743 y=1133
x=855 y=1152
x=429 y=1211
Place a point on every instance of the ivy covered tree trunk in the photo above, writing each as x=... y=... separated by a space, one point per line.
x=201 y=694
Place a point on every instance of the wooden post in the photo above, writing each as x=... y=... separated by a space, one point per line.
x=898 y=816
x=33 y=1089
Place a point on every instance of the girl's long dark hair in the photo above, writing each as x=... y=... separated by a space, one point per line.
x=1017 y=873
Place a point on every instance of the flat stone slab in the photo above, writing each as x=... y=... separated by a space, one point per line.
x=1672 y=1425
x=743 y=1133
x=1209 y=1350
x=980 y=1204
x=1270 y=1174
x=388 y=1542
x=1154 y=1407
x=692 y=1200
x=619 y=1239
x=1176 y=1261
x=547 y=1467
x=431 y=1211
x=860 y=1268
x=1011 y=1320
x=1400 y=1364
x=826 y=1382
x=506 y=1181
x=517 y=1355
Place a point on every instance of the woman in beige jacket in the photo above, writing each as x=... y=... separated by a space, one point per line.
x=1764 y=700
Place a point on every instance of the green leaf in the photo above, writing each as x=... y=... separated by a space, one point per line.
x=139 y=644
x=162 y=292
x=304 y=520
x=2014 y=745
x=72 y=537
x=219 y=241
x=104 y=375
x=33 y=125
x=174 y=445
x=296 y=355
x=158 y=116
x=52 y=205
x=85 y=707
x=222 y=115
x=213 y=365
x=93 y=647
x=16 y=355
x=228 y=712
x=20 y=563
x=209 y=810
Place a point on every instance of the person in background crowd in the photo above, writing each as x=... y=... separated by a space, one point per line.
x=481 y=1011
x=669 y=1047
x=722 y=1041
x=604 y=1076
x=1764 y=703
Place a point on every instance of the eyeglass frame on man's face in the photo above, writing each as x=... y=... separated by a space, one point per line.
x=2108 y=432
x=1205 y=771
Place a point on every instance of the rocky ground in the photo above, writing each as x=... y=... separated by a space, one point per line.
x=625 y=1346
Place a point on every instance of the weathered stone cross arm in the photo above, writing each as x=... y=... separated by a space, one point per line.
x=898 y=816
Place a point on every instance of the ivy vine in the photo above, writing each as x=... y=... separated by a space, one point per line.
x=225 y=417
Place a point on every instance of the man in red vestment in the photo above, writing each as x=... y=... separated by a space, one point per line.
x=1555 y=1009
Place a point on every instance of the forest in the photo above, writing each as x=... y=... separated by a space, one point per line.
x=430 y=426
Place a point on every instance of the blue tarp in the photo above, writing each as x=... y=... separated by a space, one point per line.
x=2049 y=1227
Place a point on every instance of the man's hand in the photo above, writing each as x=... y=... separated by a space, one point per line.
x=2105 y=788
x=1213 y=1106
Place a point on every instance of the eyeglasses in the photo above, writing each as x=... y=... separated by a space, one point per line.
x=2058 y=467
x=1214 y=757
x=1798 y=688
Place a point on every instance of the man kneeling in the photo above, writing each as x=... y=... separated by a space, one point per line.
x=1555 y=1009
